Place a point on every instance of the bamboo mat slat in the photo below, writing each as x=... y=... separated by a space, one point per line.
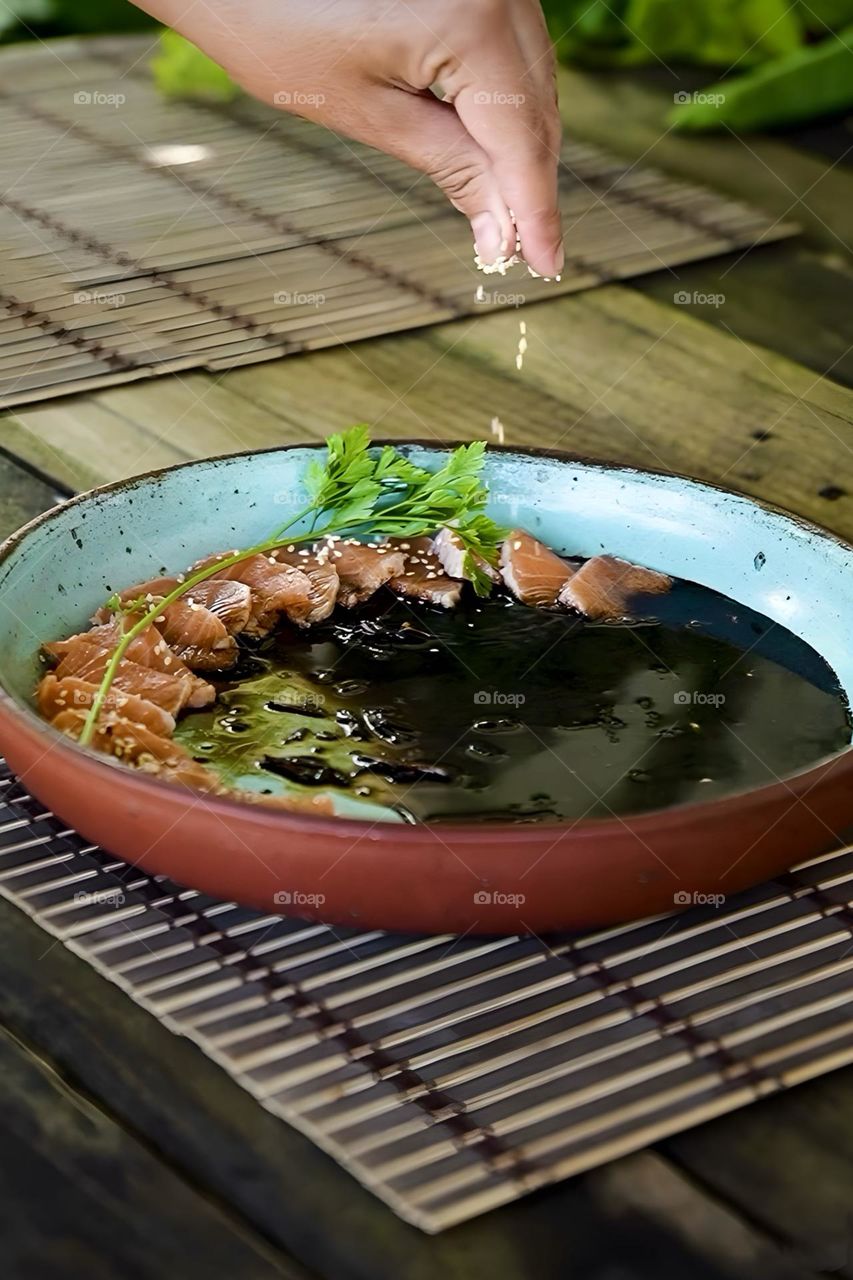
x=450 y=1076
x=143 y=237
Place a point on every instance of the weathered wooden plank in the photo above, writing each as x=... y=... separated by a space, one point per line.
x=787 y=1163
x=638 y=1219
x=610 y=374
x=626 y=113
x=80 y=1196
x=782 y=297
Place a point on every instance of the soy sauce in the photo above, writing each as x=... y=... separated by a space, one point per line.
x=499 y=711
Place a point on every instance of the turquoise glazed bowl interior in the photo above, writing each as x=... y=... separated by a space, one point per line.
x=56 y=571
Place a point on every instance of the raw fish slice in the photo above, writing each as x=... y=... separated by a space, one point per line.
x=450 y=550
x=134 y=744
x=74 y=694
x=602 y=587
x=533 y=572
x=362 y=568
x=276 y=588
x=325 y=583
x=231 y=602
x=197 y=636
x=148 y=649
x=423 y=577
x=171 y=692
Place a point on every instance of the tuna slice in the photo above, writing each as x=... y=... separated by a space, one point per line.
x=450 y=550
x=275 y=589
x=324 y=579
x=362 y=568
x=71 y=693
x=423 y=577
x=533 y=572
x=603 y=586
x=86 y=655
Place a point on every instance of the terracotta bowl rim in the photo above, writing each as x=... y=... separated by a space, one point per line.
x=796 y=785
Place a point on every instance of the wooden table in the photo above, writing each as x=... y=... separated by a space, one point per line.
x=123 y=1151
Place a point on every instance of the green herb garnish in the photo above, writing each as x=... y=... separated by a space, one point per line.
x=353 y=492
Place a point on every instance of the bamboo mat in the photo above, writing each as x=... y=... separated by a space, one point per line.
x=143 y=237
x=454 y=1075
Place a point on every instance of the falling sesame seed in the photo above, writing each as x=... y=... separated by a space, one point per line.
x=519 y=360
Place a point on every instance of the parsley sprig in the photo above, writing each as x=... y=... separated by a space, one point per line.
x=359 y=492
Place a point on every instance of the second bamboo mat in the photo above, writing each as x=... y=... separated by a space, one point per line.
x=143 y=237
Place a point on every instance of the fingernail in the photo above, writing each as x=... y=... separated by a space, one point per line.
x=487 y=236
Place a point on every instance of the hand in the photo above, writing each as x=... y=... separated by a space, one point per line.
x=365 y=67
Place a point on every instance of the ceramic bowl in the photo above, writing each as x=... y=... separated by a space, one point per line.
x=486 y=878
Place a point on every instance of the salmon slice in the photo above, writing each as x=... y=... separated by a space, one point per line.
x=135 y=744
x=171 y=692
x=324 y=579
x=423 y=577
x=231 y=602
x=533 y=572
x=602 y=587
x=450 y=549
x=197 y=636
x=362 y=568
x=275 y=588
x=71 y=693
x=87 y=654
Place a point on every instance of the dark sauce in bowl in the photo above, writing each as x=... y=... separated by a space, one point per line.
x=498 y=711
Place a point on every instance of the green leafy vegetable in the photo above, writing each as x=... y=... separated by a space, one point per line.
x=355 y=491
x=791 y=58
x=182 y=71
x=813 y=81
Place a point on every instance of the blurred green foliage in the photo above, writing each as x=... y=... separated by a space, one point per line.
x=788 y=60
x=183 y=71
x=20 y=19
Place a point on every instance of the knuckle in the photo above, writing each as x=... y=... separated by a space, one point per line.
x=459 y=179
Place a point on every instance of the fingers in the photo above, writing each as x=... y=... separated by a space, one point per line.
x=507 y=103
x=428 y=134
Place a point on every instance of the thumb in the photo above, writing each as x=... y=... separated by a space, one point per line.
x=428 y=135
